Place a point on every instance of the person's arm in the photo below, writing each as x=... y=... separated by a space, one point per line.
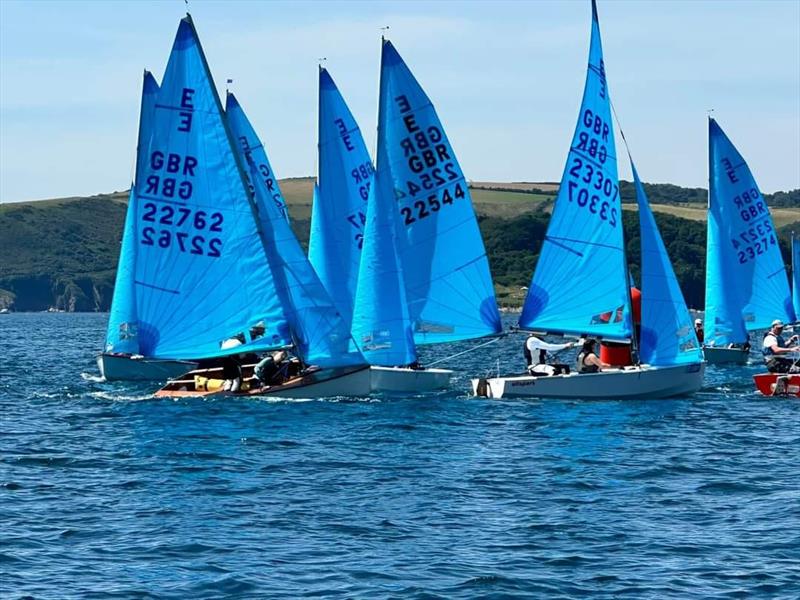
x=593 y=359
x=778 y=350
x=554 y=347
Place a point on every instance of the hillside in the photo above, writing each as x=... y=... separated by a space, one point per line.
x=62 y=253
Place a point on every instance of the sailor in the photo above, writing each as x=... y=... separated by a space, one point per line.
x=535 y=347
x=587 y=360
x=774 y=346
x=232 y=373
x=269 y=366
x=698 y=329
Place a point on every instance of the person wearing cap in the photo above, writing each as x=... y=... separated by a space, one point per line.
x=774 y=346
x=698 y=329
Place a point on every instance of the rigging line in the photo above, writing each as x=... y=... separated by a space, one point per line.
x=446 y=358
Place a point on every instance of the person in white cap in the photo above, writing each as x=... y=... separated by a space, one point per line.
x=774 y=346
x=698 y=329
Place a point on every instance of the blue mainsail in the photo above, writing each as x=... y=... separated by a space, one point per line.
x=445 y=269
x=122 y=335
x=338 y=214
x=321 y=336
x=796 y=277
x=746 y=283
x=580 y=285
x=667 y=336
x=201 y=277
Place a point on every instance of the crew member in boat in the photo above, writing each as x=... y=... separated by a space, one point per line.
x=775 y=346
x=587 y=360
x=698 y=329
x=536 y=347
x=268 y=369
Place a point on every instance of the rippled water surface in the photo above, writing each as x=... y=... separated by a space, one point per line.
x=106 y=492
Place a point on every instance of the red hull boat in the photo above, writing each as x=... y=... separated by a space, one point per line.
x=778 y=384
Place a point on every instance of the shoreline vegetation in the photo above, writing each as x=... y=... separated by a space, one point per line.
x=61 y=254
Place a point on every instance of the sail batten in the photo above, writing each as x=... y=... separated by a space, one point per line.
x=746 y=283
x=580 y=283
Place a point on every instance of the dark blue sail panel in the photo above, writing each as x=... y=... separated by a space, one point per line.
x=580 y=284
x=320 y=334
x=339 y=209
x=667 y=335
x=245 y=134
x=122 y=334
x=746 y=282
x=445 y=268
x=201 y=277
x=796 y=277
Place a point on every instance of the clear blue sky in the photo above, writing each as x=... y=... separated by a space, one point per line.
x=506 y=79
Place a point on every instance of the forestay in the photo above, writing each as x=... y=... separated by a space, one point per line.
x=338 y=214
x=796 y=277
x=381 y=321
x=319 y=333
x=580 y=285
x=122 y=333
x=746 y=283
x=201 y=276
x=667 y=336
x=446 y=272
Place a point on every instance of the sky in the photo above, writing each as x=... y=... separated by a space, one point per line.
x=506 y=79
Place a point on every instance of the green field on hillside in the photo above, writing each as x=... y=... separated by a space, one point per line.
x=63 y=252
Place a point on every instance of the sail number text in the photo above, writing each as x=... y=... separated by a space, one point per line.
x=588 y=186
x=753 y=242
x=427 y=156
x=180 y=216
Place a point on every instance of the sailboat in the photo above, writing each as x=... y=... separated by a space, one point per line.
x=207 y=279
x=122 y=357
x=581 y=283
x=746 y=283
x=796 y=277
x=785 y=384
x=423 y=277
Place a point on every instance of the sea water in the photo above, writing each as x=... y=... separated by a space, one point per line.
x=106 y=492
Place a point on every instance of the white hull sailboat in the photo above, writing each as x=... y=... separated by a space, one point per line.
x=410 y=381
x=126 y=367
x=639 y=381
x=721 y=356
x=581 y=283
x=399 y=250
x=746 y=283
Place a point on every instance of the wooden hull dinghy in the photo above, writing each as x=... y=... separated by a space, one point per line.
x=721 y=356
x=778 y=384
x=642 y=381
x=135 y=367
x=313 y=382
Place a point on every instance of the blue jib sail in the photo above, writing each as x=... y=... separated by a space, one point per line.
x=381 y=321
x=796 y=277
x=580 y=285
x=446 y=272
x=338 y=215
x=667 y=335
x=319 y=333
x=746 y=283
x=122 y=334
x=202 y=282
